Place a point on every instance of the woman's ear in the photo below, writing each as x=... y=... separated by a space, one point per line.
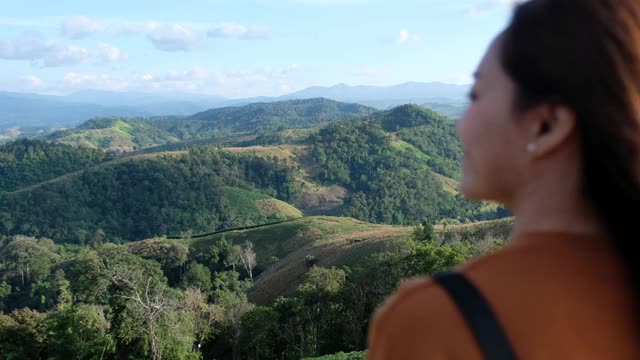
x=549 y=128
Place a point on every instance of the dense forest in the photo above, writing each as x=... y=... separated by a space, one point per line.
x=432 y=133
x=140 y=198
x=263 y=117
x=163 y=299
x=26 y=162
x=388 y=181
x=388 y=184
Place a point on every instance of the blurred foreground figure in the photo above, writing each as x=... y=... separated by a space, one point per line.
x=553 y=133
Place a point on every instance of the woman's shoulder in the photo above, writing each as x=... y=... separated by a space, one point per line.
x=419 y=320
x=540 y=286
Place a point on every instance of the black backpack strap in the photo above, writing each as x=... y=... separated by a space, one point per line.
x=478 y=315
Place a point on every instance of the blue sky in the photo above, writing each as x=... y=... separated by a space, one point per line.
x=241 y=48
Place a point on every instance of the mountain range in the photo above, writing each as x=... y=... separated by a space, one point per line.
x=23 y=111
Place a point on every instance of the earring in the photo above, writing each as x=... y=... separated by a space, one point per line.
x=531 y=147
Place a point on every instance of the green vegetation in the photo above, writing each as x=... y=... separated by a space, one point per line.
x=201 y=254
x=27 y=162
x=187 y=299
x=262 y=123
x=147 y=197
x=262 y=117
x=113 y=134
x=268 y=121
x=433 y=134
x=387 y=183
x=330 y=240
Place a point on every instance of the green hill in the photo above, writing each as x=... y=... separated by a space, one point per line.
x=27 y=162
x=113 y=134
x=223 y=126
x=259 y=119
x=145 y=196
x=430 y=132
x=284 y=248
x=386 y=183
x=377 y=168
x=262 y=117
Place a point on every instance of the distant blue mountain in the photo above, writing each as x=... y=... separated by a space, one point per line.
x=32 y=110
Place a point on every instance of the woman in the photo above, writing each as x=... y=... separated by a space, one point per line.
x=553 y=133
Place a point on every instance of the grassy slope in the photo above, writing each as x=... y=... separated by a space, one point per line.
x=332 y=240
x=484 y=231
x=323 y=200
x=253 y=204
x=120 y=136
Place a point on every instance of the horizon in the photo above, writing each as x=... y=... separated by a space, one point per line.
x=168 y=92
x=254 y=48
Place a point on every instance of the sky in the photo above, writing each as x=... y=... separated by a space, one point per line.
x=241 y=48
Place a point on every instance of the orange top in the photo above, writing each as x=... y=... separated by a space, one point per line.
x=557 y=296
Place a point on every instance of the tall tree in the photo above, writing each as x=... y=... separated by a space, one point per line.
x=248 y=257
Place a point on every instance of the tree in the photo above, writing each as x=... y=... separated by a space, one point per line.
x=204 y=315
x=229 y=282
x=310 y=261
x=232 y=257
x=259 y=333
x=248 y=257
x=98 y=238
x=149 y=306
x=424 y=232
x=318 y=292
x=89 y=282
x=78 y=332
x=21 y=334
x=25 y=261
x=197 y=276
x=233 y=307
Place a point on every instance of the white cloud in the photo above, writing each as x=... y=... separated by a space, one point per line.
x=240 y=83
x=110 y=54
x=62 y=55
x=74 y=81
x=487 y=6
x=172 y=37
x=33 y=82
x=33 y=46
x=234 y=30
x=193 y=74
x=79 y=27
x=405 y=37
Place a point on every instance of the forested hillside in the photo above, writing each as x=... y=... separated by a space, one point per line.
x=143 y=197
x=113 y=134
x=210 y=127
x=27 y=162
x=187 y=298
x=388 y=184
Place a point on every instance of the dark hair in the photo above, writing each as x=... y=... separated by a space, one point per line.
x=585 y=54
